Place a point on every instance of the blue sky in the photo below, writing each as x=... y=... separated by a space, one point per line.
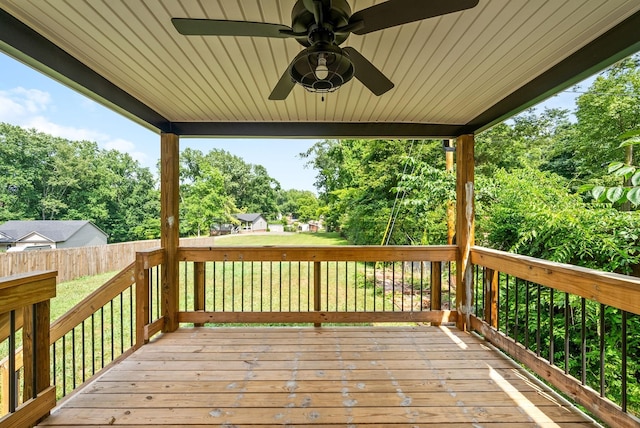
x=32 y=100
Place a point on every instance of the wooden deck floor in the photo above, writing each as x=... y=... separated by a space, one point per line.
x=344 y=376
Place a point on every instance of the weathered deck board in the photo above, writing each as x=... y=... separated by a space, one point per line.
x=379 y=376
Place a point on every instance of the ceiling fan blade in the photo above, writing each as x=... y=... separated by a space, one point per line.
x=397 y=12
x=367 y=73
x=283 y=87
x=219 y=27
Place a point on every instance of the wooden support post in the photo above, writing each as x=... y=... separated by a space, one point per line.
x=464 y=228
x=170 y=226
x=36 y=349
x=436 y=288
x=316 y=289
x=198 y=289
x=491 y=297
x=142 y=299
x=451 y=206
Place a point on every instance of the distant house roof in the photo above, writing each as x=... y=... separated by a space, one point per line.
x=6 y=239
x=249 y=217
x=53 y=230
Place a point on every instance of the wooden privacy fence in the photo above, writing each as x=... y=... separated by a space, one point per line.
x=72 y=263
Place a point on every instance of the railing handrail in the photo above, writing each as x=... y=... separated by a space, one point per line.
x=145 y=261
x=384 y=257
x=98 y=298
x=82 y=310
x=323 y=253
x=612 y=289
x=17 y=299
x=86 y=306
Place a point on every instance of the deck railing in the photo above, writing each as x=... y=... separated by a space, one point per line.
x=345 y=284
x=30 y=296
x=94 y=333
x=100 y=329
x=87 y=338
x=576 y=328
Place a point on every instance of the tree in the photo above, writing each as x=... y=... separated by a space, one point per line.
x=627 y=194
x=527 y=140
x=300 y=204
x=532 y=212
x=54 y=178
x=204 y=201
x=359 y=180
x=606 y=112
x=249 y=186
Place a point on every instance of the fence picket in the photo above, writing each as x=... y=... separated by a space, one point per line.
x=72 y=263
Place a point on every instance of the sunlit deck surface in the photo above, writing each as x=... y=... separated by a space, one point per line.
x=343 y=376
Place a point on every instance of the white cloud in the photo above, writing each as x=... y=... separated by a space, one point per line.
x=126 y=146
x=28 y=107
x=43 y=124
x=19 y=103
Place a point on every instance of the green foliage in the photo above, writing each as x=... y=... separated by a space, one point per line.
x=300 y=204
x=606 y=111
x=532 y=212
x=361 y=181
x=531 y=140
x=204 y=201
x=246 y=186
x=249 y=186
x=51 y=178
x=628 y=193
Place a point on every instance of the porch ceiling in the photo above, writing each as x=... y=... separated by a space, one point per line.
x=454 y=74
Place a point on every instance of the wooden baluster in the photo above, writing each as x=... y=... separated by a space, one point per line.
x=198 y=289
x=491 y=297
x=436 y=288
x=316 y=289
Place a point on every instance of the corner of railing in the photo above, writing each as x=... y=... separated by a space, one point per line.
x=31 y=294
x=148 y=319
x=530 y=307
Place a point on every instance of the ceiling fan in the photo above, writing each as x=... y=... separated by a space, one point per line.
x=321 y=26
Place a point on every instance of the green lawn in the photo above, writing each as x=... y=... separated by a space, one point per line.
x=281 y=239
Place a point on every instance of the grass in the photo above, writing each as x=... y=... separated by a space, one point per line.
x=69 y=294
x=306 y=238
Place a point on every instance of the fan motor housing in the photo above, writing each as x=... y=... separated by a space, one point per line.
x=302 y=19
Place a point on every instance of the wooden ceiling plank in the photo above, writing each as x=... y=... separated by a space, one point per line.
x=217 y=79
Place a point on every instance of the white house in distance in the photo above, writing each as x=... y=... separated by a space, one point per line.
x=252 y=222
x=50 y=234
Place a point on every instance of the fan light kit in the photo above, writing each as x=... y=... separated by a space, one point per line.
x=321 y=26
